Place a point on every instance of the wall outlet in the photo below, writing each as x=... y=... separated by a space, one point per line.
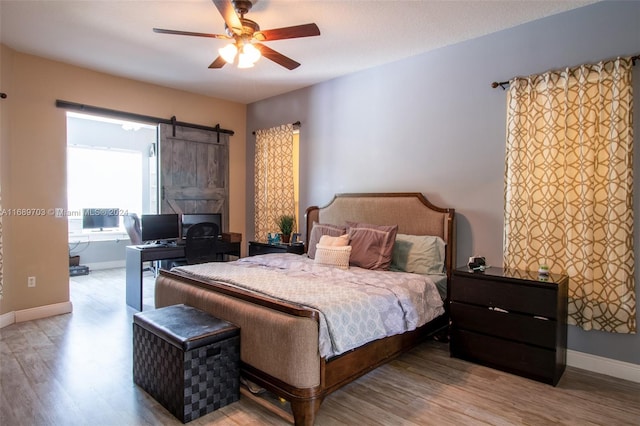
x=31 y=281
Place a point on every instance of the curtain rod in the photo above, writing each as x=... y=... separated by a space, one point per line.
x=503 y=84
x=296 y=124
x=137 y=117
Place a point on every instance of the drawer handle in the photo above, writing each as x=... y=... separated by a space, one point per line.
x=541 y=318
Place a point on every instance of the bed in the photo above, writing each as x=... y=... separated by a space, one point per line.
x=281 y=347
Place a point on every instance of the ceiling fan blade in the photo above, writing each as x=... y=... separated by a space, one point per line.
x=277 y=57
x=229 y=15
x=218 y=63
x=189 y=33
x=306 y=30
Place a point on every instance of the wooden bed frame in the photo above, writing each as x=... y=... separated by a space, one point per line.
x=278 y=351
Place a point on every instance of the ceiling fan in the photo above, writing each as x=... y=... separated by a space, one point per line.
x=246 y=36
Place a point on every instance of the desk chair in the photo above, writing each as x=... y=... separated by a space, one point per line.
x=201 y=243
x=134 y=230
x=132 y=225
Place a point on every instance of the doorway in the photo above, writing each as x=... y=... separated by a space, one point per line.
x=111 y=171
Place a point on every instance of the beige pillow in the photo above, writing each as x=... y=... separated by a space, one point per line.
x=317 y=231
x=332 y=256
x=372 y=244
x=328 y=240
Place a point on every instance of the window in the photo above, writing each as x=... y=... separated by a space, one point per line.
x=276 y=178
x=569 y=187
x=102 y=178
x=110 y=164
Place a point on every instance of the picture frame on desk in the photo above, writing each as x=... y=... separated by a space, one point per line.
x=295 y=238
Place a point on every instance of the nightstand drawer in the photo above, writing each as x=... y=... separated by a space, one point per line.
x=523 y=328
x=531 y=299
x=513 y=357
x=511 y=320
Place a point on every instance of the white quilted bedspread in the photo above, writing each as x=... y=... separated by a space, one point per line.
x=356 y=305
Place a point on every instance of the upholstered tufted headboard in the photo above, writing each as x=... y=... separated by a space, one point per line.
x=411 y=211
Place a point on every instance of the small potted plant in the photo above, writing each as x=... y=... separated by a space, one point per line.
x=285 y=224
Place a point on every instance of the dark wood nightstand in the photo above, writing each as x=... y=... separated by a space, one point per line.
x=511 y=320
x=256 y=247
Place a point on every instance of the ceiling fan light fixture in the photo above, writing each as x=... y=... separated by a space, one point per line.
x=244 y=61
x=243 y=33
x=228 y=53
x=251 y=52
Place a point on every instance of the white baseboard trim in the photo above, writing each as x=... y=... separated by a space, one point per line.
x=35 y=313
x=608 y=366
x=43 y=311
x=7 y=319
x=105 y=265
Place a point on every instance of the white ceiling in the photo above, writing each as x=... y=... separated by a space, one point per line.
x=116 y=37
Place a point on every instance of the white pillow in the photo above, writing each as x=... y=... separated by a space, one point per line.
x=317 y=231
x=329 y=241
x=333 y=256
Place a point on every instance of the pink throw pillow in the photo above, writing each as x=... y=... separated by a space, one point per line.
x=372 y=245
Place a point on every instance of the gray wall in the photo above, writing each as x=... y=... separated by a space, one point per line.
x=101 y=254
x=433 y=124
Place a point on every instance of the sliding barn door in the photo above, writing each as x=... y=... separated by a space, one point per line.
x=194 y=171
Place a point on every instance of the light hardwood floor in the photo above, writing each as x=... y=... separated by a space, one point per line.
x=75 y=369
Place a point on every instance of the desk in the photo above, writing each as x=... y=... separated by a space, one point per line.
x=137 y=255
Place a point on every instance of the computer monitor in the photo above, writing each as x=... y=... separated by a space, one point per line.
x=193 y=218
x=99 y=219
x=160 y=227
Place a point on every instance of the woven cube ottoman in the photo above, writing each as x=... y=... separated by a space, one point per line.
x=187 y=359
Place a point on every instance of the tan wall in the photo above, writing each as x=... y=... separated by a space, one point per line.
x=4 y=162
x=36 y=152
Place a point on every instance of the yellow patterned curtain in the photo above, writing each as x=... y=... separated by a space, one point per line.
x=274 y=190
x=568 y=187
